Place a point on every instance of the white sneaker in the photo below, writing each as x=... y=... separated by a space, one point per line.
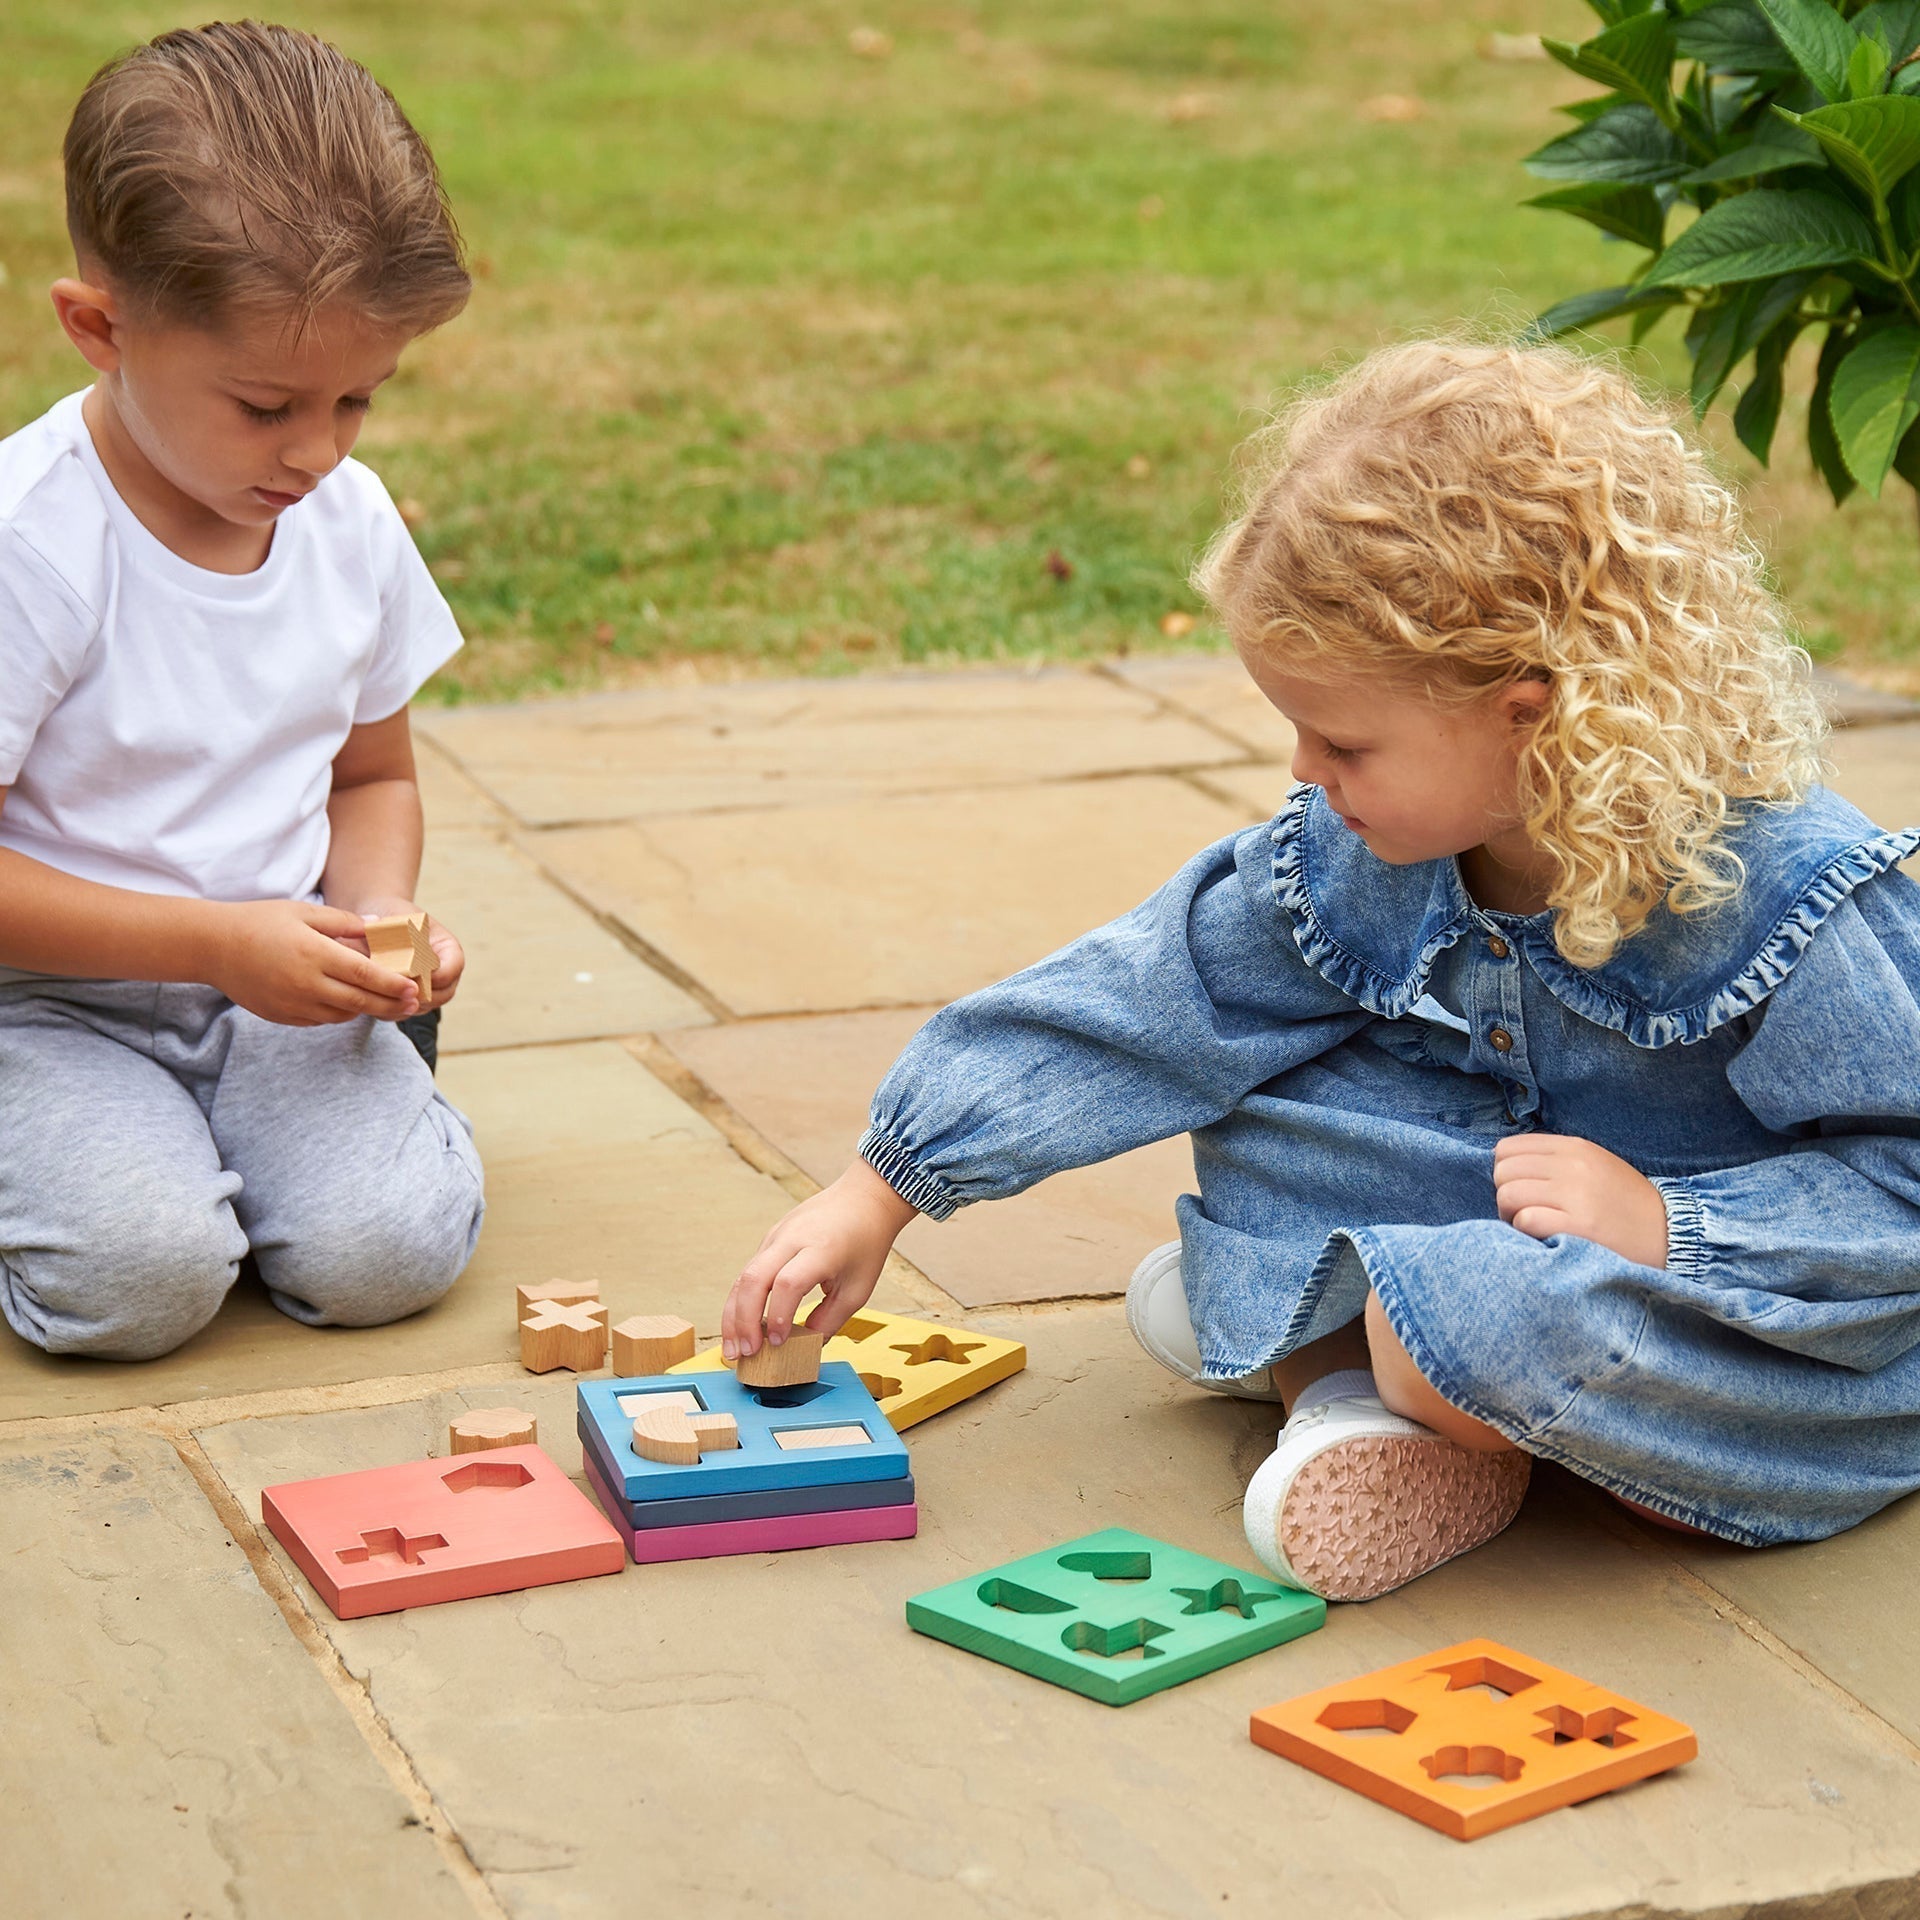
x=1355 y=1501
x=1157 y=1314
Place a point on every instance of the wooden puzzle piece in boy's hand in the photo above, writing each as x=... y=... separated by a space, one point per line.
x=768 y=1420
x=1115 y=1615
x=1474 y=1738
x=402 y=943
x=430 y=1530
x=913 y=1368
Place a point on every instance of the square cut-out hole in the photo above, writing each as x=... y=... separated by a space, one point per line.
x=862 y=1327
x=1473 y=1766
x=801 y=1439
x=684 y=1398
x=802 y=1393
x=1565 y=1726
x=1362 y=1717
x=488 y=1476
x=1493 y=1677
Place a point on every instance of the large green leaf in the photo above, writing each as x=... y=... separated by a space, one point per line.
x=1764 y=232
x=1897 y=22
x=1876 y=398
x=1873 y=142
x=1629 y=213
x=1627 y=145
x=1614 y=11
x=1758 y=412
x=1634 y=58
x=1820 y=438
x=1603 y=303
x=1731 y=36
x=1820 y=42
x=1745 y=317
x=1779 y=147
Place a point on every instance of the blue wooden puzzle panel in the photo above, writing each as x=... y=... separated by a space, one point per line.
x=758 y=1464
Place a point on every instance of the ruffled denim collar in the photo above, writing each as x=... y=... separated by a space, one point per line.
x=1374 y=930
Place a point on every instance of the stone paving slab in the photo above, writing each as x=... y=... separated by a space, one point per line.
x=1878 y=769
x=1214 y=689
x=902 y=902
x=593 y=1169
x=806 y=742
x=170 y=1748
x=447 y=797
x=765 y=1734
x=539 y=966
x=806 y=1083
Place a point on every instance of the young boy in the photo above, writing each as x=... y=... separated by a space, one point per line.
x=211 y=622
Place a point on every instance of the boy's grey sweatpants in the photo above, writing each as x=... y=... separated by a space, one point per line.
x=150 y=1135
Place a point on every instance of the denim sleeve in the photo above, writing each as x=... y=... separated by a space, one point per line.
x=1161 y=1022
x=1823 y=1240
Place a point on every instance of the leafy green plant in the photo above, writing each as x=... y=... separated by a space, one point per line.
x=1793 y=126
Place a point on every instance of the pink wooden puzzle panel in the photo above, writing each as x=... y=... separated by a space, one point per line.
x=430 y=1530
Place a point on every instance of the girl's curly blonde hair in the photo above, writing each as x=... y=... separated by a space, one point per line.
x=1458 y=517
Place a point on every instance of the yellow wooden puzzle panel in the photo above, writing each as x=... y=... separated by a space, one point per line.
x=913 y=1368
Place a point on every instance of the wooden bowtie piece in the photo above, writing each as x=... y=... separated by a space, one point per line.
x=794 y=1363
x=559 y=1333
x=488 y=1427
x=650 y=1343
x=400 y=943
x=676 y=1438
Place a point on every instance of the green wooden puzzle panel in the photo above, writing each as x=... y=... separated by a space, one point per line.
x=1115 y=1615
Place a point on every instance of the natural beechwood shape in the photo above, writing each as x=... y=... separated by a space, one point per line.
x=559 y=1334
x=488 y=1427
x=793 y=1363
x=1474 y=1738
x=913 y=1368
x=401 y=943
x=651 y=1343
x=532 y=1292
x=677 y=1438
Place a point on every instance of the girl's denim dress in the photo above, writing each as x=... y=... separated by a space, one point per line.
x=1346 y=1040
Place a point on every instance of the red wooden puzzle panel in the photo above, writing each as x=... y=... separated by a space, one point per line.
x=430 y=1530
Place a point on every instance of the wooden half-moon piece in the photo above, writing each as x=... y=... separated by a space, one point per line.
x=675 y=1438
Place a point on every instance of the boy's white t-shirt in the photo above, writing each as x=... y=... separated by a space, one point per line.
x=173 y=730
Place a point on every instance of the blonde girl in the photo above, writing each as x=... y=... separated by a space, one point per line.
x=1548 y=1060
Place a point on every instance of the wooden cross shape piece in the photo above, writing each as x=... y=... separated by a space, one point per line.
x=562 y=1333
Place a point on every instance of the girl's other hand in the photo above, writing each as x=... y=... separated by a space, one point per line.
x=291 y=962
x=1549 y=1183
x=838 y=1241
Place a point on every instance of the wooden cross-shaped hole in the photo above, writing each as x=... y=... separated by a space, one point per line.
x=390 y=1543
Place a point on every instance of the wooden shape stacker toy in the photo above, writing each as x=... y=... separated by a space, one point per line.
x=1474 y=1738
x=689 y=1467
x=402 y=943
x=913 y=1368
x=1077 y=1613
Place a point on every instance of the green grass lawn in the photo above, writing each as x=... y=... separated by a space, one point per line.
x=784 y=356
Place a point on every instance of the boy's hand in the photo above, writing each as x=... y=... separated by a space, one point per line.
x=838 y=1241
x=449 y=957
x=291 y=962
x=1549 y=1183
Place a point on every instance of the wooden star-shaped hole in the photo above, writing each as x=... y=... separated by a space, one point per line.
x=938 y=1347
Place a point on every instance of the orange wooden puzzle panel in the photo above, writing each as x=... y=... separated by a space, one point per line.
x=1474 y=1737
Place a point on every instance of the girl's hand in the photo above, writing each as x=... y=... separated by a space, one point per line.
x=1550 y=1183
x=291 y=962
x=838 y=1241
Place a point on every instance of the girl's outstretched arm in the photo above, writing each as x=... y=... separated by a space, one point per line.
x=1158 y=1023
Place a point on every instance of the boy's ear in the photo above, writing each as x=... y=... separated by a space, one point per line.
x=91 y=318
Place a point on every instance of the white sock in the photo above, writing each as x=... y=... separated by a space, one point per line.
x=1344 y=1385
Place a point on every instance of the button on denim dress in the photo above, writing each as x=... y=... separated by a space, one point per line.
x=1347 y=1040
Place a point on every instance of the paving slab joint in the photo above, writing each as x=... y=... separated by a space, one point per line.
x=346 y=1688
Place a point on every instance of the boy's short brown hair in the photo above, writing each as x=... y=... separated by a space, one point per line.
x=244 y=168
